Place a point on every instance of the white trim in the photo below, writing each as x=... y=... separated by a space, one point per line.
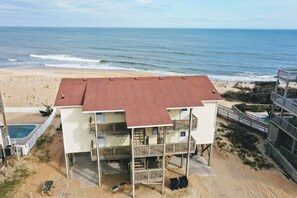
x=146 y=126
x=104 y=111
x=211 y=101
x=65 y=107
x=169 y=108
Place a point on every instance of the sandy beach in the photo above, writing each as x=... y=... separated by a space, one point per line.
x=34 y=87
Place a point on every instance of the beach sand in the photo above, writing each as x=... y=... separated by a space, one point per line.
x=33 y=87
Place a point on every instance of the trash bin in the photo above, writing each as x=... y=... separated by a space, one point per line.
x=174 y=184
x=183 y=182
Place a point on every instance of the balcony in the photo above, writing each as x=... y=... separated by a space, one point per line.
x=285 y=125
x=121 y=128
x=289 y=75
x=290 y=104
x=111 y=153
x=158 y=149
x=185 y=124
x=148 y=175
x=110 y=128
x=152 y=150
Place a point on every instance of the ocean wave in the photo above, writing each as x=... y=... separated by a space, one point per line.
x=107 y=67
x=242 y=77
x=12 y=60
x=63 y=57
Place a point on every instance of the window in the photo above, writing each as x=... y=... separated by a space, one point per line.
x=100 y=118
x=155 y=130
x=184 y=109
x=119 y=112
x=182 y=134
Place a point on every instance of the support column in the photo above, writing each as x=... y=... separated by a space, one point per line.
x=163 y=161
x=275 y=91
x=182 y=161
x=189 y=143
x=285 y=95
x=209 y=154
x=67 y=165
x=97 y=152
x=132 y=162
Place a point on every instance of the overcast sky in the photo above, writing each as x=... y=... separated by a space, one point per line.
x=267 y=14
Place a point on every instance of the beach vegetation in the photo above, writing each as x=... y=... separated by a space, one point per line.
x=9 y=186
x=237 y=139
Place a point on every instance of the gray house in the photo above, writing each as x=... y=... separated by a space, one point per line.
x=282 y=135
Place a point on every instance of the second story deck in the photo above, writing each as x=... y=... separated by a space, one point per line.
x=290 y=104
x=120 y=128
x=287 y=75
x=140 y=151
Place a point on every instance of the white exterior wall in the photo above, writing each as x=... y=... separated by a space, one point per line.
x=206 y=123
x=75 y=125
x=76 y=135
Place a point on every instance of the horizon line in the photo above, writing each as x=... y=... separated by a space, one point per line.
x=119 y=27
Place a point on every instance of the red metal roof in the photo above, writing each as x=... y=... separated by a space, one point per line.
x=145 y=100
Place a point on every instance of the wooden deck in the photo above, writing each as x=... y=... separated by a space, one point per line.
x=121 y=127
x=152 y=150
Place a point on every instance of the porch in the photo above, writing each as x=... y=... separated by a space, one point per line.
x=151 y=150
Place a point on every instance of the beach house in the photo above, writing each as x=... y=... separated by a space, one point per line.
x=141 y=122
x=4 y=138
x=282 y=134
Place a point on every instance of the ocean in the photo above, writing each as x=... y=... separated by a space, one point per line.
x=246 y=55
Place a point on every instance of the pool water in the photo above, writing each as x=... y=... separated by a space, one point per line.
x=20 y=131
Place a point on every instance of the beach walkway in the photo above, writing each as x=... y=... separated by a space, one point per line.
x=241 y=118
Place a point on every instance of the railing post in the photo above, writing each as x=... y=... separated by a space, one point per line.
x=132 y=162
x=189 y=141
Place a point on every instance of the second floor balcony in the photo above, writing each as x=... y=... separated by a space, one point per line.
x=289 y=75
x=290 y=104
x=121 y=127
x=151 y=150
x=285 y=124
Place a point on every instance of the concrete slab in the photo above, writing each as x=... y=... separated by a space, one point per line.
x=110 y=168
x=198 y=165
x=84 y=170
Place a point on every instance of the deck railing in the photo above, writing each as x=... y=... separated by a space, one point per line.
x=229 y=114
x=282 y=161
x=290 y=104
x=148 y=175
x=109 y=153
x=121 y=127
x=184 y=124
x=290 y=75
x=291 y=157
x=110 y=128
x=285 y=125
x=158 y=149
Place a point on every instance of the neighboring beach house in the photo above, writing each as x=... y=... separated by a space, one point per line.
x=4 y=138
x=282 y=135
x=139 y=122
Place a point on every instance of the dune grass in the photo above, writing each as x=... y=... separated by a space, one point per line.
x=12 y=183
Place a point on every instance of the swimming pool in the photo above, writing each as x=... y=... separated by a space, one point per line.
x=20 y=131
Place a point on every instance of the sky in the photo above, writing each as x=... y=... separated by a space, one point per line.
x=242 y=14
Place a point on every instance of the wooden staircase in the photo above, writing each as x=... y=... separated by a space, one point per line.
x=139 y=164
x=139 y=137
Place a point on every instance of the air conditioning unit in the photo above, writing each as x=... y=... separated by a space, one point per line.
x=9 y=150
